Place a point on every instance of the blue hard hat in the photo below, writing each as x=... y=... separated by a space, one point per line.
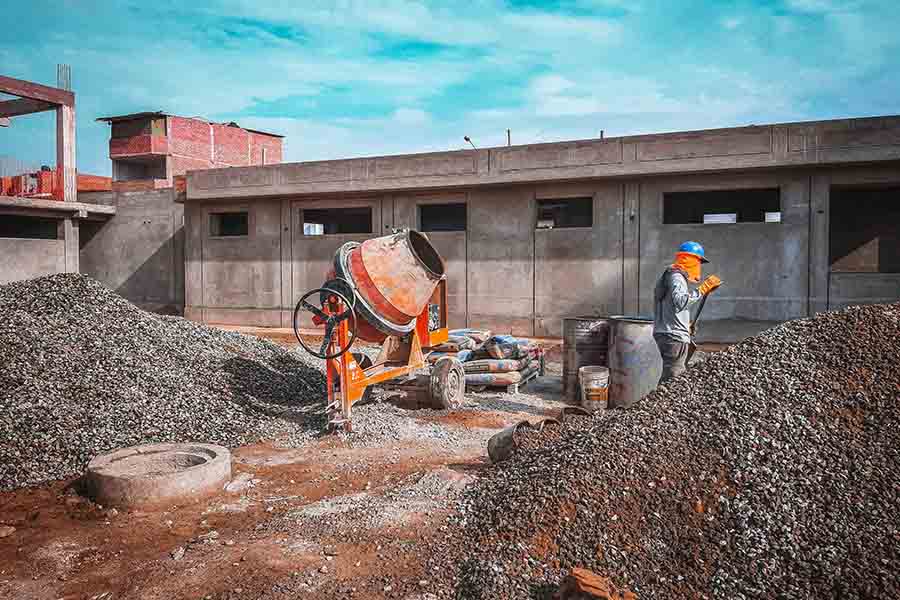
x=695 y=249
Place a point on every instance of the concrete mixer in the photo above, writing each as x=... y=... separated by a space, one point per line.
x=390 y=290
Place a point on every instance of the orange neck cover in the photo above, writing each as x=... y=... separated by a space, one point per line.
x=688 y=263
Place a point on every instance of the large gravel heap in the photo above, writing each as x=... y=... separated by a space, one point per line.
x=84 y=371
x=772 y=470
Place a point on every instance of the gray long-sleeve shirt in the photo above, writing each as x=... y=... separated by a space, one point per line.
x=671 y=307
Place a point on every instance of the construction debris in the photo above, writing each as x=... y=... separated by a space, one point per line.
x=770 y=469
x=84 y=371
x=582 y=584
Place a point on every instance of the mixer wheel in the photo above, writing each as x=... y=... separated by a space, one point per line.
x=448 y=383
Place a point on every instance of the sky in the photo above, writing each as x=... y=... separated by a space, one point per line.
x=360 y=78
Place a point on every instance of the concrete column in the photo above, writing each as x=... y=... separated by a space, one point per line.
x=71 y=243
x=819 y=268
x=287 y=264
x=193 y=261
x=631 y=248
x=65 y=155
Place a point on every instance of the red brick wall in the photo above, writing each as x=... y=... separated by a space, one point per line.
x=232 y=146
x=181 y=164
x=189 y=138
x=94 y=183
x=271 y=144
x=140 y=144
x=140 y=185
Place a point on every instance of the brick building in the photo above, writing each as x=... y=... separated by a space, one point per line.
x=45 y=184
x=149 y=149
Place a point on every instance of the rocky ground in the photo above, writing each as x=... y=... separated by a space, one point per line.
x=85 y=371
x=769 y=470
x=306 y=515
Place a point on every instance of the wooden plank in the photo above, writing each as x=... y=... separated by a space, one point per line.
x=65 y=154
x=23 y=106
x=36 y=91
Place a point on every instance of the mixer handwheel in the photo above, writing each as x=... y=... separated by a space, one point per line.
x=334 y=307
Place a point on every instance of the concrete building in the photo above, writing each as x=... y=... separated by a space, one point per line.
x=149 y=149
x=797 y=217
x=41 y=236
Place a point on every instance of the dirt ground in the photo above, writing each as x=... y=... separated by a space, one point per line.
x=340 y=517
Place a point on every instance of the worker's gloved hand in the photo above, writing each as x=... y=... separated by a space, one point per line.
x=709 y=284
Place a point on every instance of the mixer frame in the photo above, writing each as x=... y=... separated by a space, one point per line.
x=399 y=358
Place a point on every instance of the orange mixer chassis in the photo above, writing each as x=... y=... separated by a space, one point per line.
x=390 y=290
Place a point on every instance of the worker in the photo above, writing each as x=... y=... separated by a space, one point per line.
x=672 y=301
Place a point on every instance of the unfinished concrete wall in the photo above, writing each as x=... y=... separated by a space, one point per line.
x=764 y=265
x=834 y=290
x=312 y=256
x=578 y=271
x=139 y=253
x=791 y=145
x=451 y=245
x=240 y=276
x=501 y=260
x=28 y=258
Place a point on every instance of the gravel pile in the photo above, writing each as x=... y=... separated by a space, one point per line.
x=85 y=371
x=770 y=470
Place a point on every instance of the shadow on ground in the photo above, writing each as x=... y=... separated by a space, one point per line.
x=284 y=387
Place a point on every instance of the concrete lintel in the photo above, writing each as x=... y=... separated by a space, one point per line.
x=36 y=91
x=55 y=208
x=23 y=106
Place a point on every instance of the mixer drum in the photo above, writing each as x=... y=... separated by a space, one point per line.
x=393 y=277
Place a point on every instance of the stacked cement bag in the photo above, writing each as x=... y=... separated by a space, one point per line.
x=490 y=360
x=503 y=360
x=461 y=345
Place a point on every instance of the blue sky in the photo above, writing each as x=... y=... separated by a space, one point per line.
x=350 y=78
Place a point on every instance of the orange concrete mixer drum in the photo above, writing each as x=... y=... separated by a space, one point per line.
x=393 y=278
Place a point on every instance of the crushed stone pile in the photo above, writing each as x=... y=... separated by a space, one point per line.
x=771 y=470
x=84 y=371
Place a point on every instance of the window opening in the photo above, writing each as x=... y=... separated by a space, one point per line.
x=565 y=212
x=722 y=206
x=29 y=228
x=442 y=217
x=330 y=221
x=229 y=224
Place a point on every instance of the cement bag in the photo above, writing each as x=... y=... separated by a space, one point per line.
x=462 y=356
x=475 y=379
x=502 y=346
x=480 y=336
x=456 y=343
x=494 y=365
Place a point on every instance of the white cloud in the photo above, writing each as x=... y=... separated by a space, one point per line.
x=822 y=6
x=732 y=22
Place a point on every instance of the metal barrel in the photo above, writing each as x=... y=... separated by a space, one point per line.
x=394 y=277
x=634 y=361
x=585 y=342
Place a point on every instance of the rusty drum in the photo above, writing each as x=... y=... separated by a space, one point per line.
x=585 y=342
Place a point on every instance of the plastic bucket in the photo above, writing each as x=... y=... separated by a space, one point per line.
x=594 y=382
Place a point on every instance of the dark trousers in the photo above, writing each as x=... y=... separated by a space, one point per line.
x=674 y=356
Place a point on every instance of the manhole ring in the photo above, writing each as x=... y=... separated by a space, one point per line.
x=157 y=474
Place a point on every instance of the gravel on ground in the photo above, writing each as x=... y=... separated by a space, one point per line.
x=768 y=470
x=84 y=371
